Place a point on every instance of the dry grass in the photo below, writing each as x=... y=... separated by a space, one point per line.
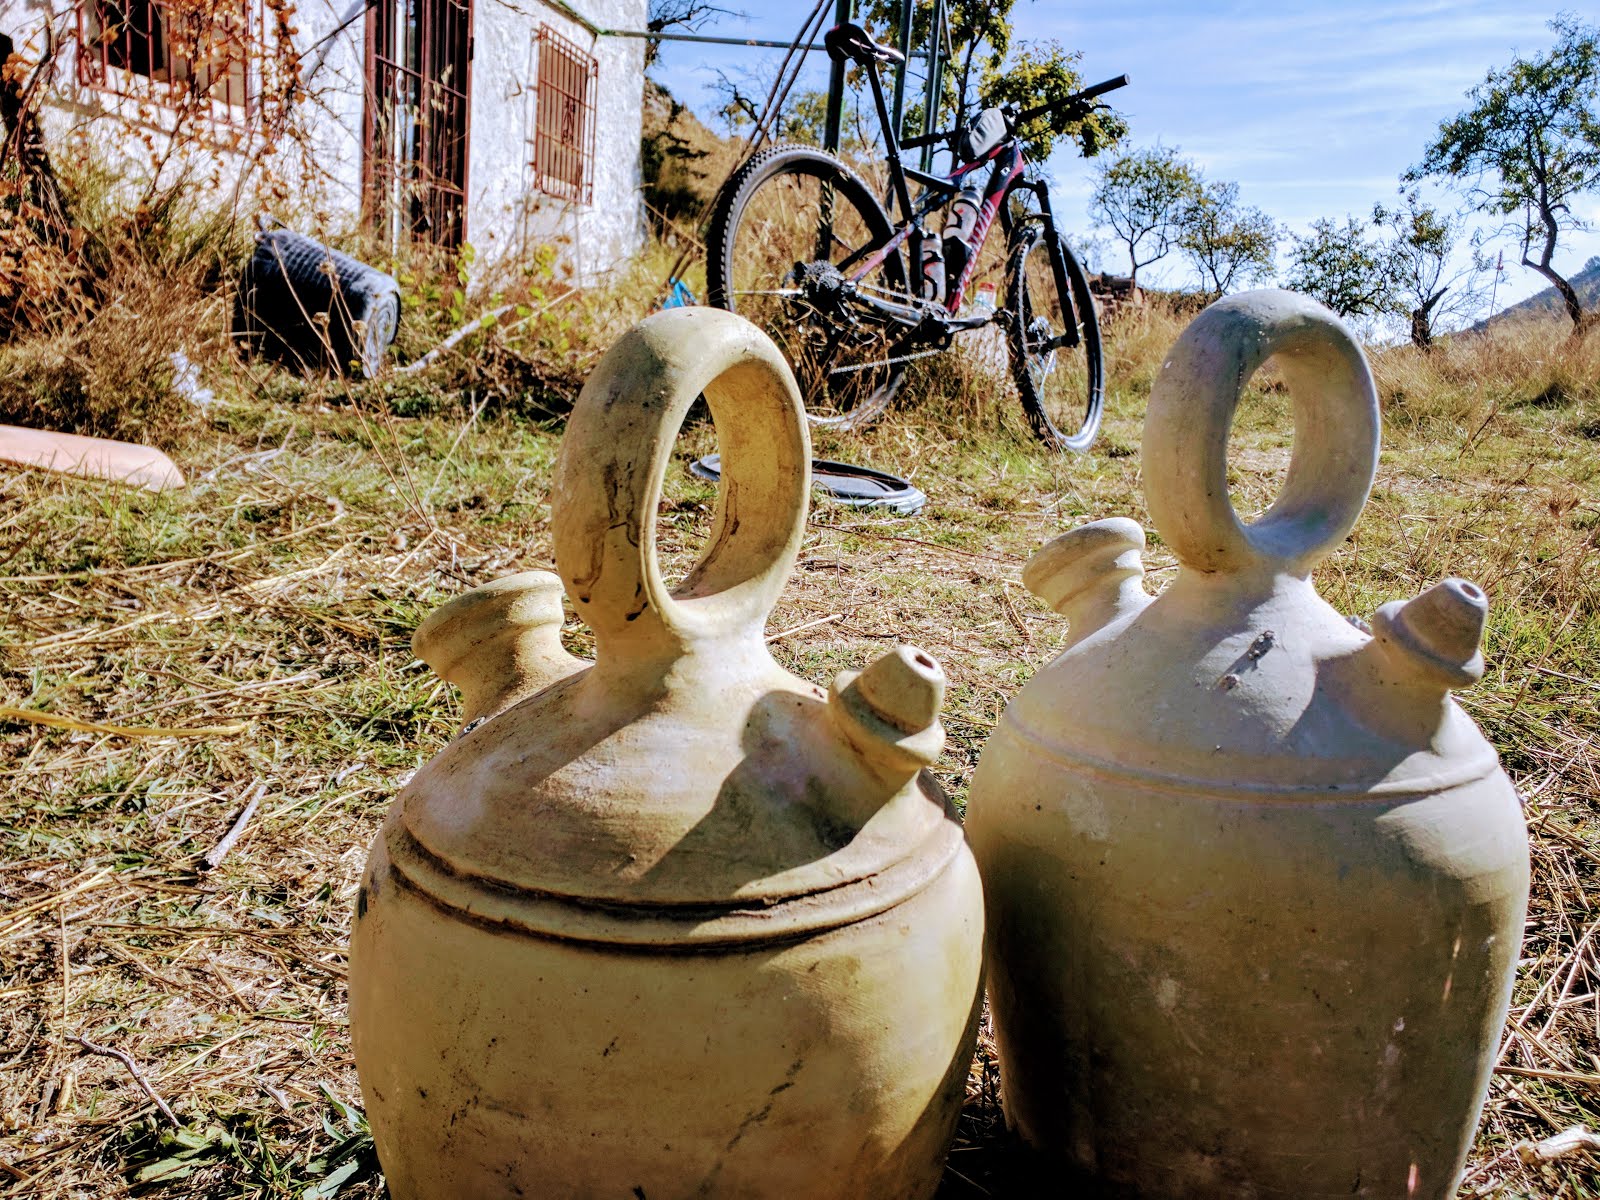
x=281 y=589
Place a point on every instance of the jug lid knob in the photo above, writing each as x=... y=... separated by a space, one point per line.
x=457 y=631
x=890 y=711
x=1093 y=557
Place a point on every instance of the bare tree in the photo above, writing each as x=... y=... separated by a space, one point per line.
x=1429 y=287
x=690 y=15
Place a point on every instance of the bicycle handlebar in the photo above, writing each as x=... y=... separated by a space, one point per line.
x=1088 y=93
x=1027 y=114
x=926 y=139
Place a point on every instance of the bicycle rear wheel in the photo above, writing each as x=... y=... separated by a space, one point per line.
x=1054 y=341
x=788 y=232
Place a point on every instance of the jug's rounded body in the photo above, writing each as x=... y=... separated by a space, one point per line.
x=1255 y=883
x=674 y=923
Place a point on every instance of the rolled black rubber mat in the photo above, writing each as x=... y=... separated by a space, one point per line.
x=313 y=308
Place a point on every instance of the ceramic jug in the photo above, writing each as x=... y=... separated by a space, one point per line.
x=673 y=923
x=1255 y=883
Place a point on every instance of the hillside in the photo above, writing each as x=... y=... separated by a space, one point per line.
x=685 y=162
x=1548 y=302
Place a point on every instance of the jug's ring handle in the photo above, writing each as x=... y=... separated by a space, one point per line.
x=614 y=460
x=1192 y=402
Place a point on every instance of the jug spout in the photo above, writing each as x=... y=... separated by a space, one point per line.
x=1433 y=641
x=1092 y=575
x=499 y=643
x=889 y=714
x=1421 y=650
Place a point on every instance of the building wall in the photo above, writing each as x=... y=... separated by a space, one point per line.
x=506 y=215
x=136 y=140
x=333 y=66
x=507 y=220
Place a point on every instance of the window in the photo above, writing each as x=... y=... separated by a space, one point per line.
x=169 y=50
x=417 y=120
x=563 y=120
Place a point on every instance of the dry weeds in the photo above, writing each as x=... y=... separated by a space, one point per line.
x=281 y=589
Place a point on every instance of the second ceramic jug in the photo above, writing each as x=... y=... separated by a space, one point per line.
x=1256 y=883
x=674 y=923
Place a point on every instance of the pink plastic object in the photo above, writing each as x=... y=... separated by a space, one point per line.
x=95 y=458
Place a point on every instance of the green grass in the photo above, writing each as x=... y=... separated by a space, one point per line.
x=281 y=588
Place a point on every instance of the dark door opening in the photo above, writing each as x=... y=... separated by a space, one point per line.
x=414 y=153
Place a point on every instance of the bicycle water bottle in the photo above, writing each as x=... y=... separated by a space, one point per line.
x=959 y=228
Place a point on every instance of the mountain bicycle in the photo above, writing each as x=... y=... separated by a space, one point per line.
x=800 y=245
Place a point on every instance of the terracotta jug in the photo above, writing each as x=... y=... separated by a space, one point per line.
x=673 y=923
x=1255 y=883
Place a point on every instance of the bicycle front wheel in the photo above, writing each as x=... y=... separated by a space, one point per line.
x=1054 y=341
x=788 y=238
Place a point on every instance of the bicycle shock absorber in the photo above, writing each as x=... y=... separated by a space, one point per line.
x=931 y=271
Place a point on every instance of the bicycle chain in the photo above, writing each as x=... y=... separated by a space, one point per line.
x=903 y=358
x=884 y=362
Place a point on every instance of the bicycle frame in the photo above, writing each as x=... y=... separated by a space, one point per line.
x=1006 y=177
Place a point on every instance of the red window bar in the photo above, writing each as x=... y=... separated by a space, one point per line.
x=563 y=120
x=169 y=51
x=415 y=129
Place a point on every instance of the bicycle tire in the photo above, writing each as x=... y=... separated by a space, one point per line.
x=767 y=229
x=1062 y=387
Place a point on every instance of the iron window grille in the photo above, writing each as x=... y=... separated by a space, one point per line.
x=173 y=52
x=563 y=119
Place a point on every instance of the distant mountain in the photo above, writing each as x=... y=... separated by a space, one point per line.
x=1548 y=302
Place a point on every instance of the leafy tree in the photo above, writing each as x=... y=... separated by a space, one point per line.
x=980 y=35
x=1227 y=242
x=1529 y=145
x=1421 y=243
x=983 y=67
x=804 y=115
x=805 y=119
x=1142 y=198
x=1043 y=73
x=1345 y=267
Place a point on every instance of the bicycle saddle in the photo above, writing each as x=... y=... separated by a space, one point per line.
x=853 y=42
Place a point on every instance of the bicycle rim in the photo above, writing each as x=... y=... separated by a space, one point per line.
x=786 y=237
x=1055 y=344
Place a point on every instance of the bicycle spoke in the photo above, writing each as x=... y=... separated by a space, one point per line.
x=790 y=231
x=1055 y=344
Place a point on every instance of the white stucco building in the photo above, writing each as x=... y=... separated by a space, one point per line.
x=504 y=124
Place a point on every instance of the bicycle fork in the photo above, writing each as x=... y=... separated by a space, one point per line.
x=1070 y=318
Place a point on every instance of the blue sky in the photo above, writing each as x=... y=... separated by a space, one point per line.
x=1314 y=109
